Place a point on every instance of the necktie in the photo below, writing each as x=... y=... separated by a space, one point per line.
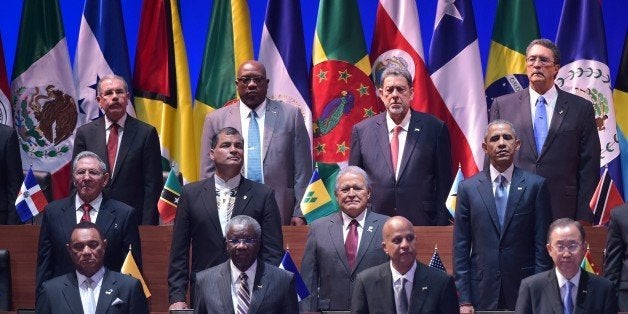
x=112 y=146
x=402 y=298
x=244 y=296
x=540 y=124
x=86 y=209
x=568 y=301
x=254 y=155
x=91 y=300
x=351 y=243
x=501 y=198
x=394 y=147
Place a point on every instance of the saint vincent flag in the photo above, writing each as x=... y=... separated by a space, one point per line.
x=42 y=91
x=162 y=84
x=6 y=114
x=620 y=97
x=319 y=200
x=515 y=27
x=342 y=92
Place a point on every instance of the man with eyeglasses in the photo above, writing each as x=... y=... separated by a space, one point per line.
x=206 y=207
x=559 y=138
x=115 y=219
x=277 y=152
x=129 y=147
x=566 y=288
x=406 y=153
x=244 y=283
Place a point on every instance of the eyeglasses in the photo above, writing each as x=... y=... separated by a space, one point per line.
x=246 y=241
x=245 y=80
x=572 y=247
x=531 y=60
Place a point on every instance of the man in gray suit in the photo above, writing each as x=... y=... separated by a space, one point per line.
x=245 y=284
x=278 y=151
x=559 y=138
x=329 y=265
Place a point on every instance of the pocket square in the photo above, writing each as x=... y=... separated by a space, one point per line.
x=117 y=301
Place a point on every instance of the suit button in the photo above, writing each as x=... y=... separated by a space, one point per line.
x=352 y=278
x=498 y=274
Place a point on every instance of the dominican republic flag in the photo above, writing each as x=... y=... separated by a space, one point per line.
x=101 y=50
x=282 y=51
x=288 y=264
x=605 y=198
x=6 y=114
x=456 y=70
x=31 y=199
x=584 y=71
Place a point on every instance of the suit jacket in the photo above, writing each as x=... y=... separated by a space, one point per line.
x=61 y=295
x=489 y=258
x=273 y=290
x=287 y=154
x=197 y=224
x=570 y=158
x=424 y=175
x=137 y=179
x=324 y=267
x=616 y=261
x=433 y=291
x=12 y=177
x=115 y=220
x=540 y=294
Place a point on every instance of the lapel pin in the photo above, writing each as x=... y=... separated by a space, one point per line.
x=259 y=286
x=244 y=197
x=423 y=288
x=370 y=229
x=109 y=291
x=115 y=226
x=584 y=291
x=560 y=112
x=519 y=188
x=417 y=129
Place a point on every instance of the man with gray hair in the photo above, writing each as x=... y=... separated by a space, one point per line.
x=114 y=218
x=341 y=245
x=406 y=153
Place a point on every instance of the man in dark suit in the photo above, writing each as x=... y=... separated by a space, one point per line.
x=244 y=284
x=204 y=209
x=566 y=288
x=92 y=288
x=616 y=261
x=115 y=219
x=406 y=154
x=283 y=153
x=12 y=176
x=338 y=249
x=500 y=228
x=129 y=147
x=403 y=285
x=559 y=138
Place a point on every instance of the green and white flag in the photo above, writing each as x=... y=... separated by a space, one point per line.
x=42 y=92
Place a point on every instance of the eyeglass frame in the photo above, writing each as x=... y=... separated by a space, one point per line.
x=571 y=247
x=246 y=80
x=245 y=241
x=543 y=61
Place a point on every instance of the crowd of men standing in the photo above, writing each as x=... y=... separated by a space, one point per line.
x=517 y=227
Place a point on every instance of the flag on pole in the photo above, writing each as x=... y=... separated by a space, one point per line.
x=163 y=96
x=288 y=264
x=514 y=28
x=342 y=92
x=584 y=72
x=31 y=199
x=282 y=51
x=620 y=99
x=318 y=200
x=6 y=114
x=169 y=199
x=586 y=263
x=605 y=198
x=456 y=71
x=130 y=268
x=436 y=262
x=42 y=91
x=101 y=50
x=452 y=199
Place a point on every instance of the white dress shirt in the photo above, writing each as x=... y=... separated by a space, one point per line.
x=562 y=284
x=224 y=200
x=245 y=118
x=550 y=103
x=235 y=281
x=108 y=124
x=405 y=124
x=346 y=220
x=409 y=276
x=93 y=214
x=84 y=290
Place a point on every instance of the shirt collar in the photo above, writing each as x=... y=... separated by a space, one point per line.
x=346 y=219
x=575 y=280
x=97 y=277
x=229 y=184
x=550 y=96
x=405 y=123
x=507 y=174
x=95 y=203
x=120 y=122
x=408 y=275
x=245 y=110
x=235 y=272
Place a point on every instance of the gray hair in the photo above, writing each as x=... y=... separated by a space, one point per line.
x=354 y=170
x=88 y=154
x=500 y=121
x=245 y=221
x=547 y=44
x=396 y=71
x=111 y=77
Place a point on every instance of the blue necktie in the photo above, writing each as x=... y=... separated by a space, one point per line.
x=501 y=198
x=540 y=124
x=568 y=301
x=254 y=155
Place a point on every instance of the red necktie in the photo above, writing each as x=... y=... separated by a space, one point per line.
x=112 y=146
x=86 y=208
x=351 y=243
x=394 y=147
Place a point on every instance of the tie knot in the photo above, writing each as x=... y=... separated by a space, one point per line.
x=402 y=281
x=353 y=222
x=114 y=126
x=540 y=101
x=86 y=208
x=568 y=284
x=397 y=129
x=243 y=277
x=253 y=114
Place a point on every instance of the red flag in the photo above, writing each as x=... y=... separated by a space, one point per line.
x=605 y=198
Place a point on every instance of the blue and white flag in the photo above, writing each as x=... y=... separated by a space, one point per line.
x=584 y=71
x=101 y=50
x=288 y=264
x=282 y=51
x=452 y=199
x=31 y=199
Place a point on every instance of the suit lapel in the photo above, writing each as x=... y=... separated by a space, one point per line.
x=209 y=203
x=128 y=136
x=368 y=233
x=485 y=189
x=336 y=237
x=517 y=189
x=224 y=282
x=552 y=289
x=243 y=197
x=71 y=293
x=99 y=136
x=419 y=291
x=582 y=300
x=69 y=219
x=523 y=111
x=560 y=110
x=108 y=290
x=381 y=137
x=260 y=286
x=385 y=281
x=270 y=120
x=106 y=218
x=412 y=138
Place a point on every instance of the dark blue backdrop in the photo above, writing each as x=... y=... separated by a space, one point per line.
x=196 y=13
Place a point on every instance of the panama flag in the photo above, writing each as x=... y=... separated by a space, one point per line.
x=31 y=199
x=584 y=71
x=456 y=70
x=6 y=114
x=42 y=92
x=620 y=99
x=101 y=50
x=282 y=51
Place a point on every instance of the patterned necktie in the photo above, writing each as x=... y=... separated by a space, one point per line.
x=254 y=154
x=540 y=124
x=568 y=301
x=402 y=298
x=244 y=295
x=351 y=243
x=86 y=209
x=112 y=146
x=501 y=198
x=394 y=148
x=91 y=300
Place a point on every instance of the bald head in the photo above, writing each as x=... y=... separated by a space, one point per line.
x=399 y=241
